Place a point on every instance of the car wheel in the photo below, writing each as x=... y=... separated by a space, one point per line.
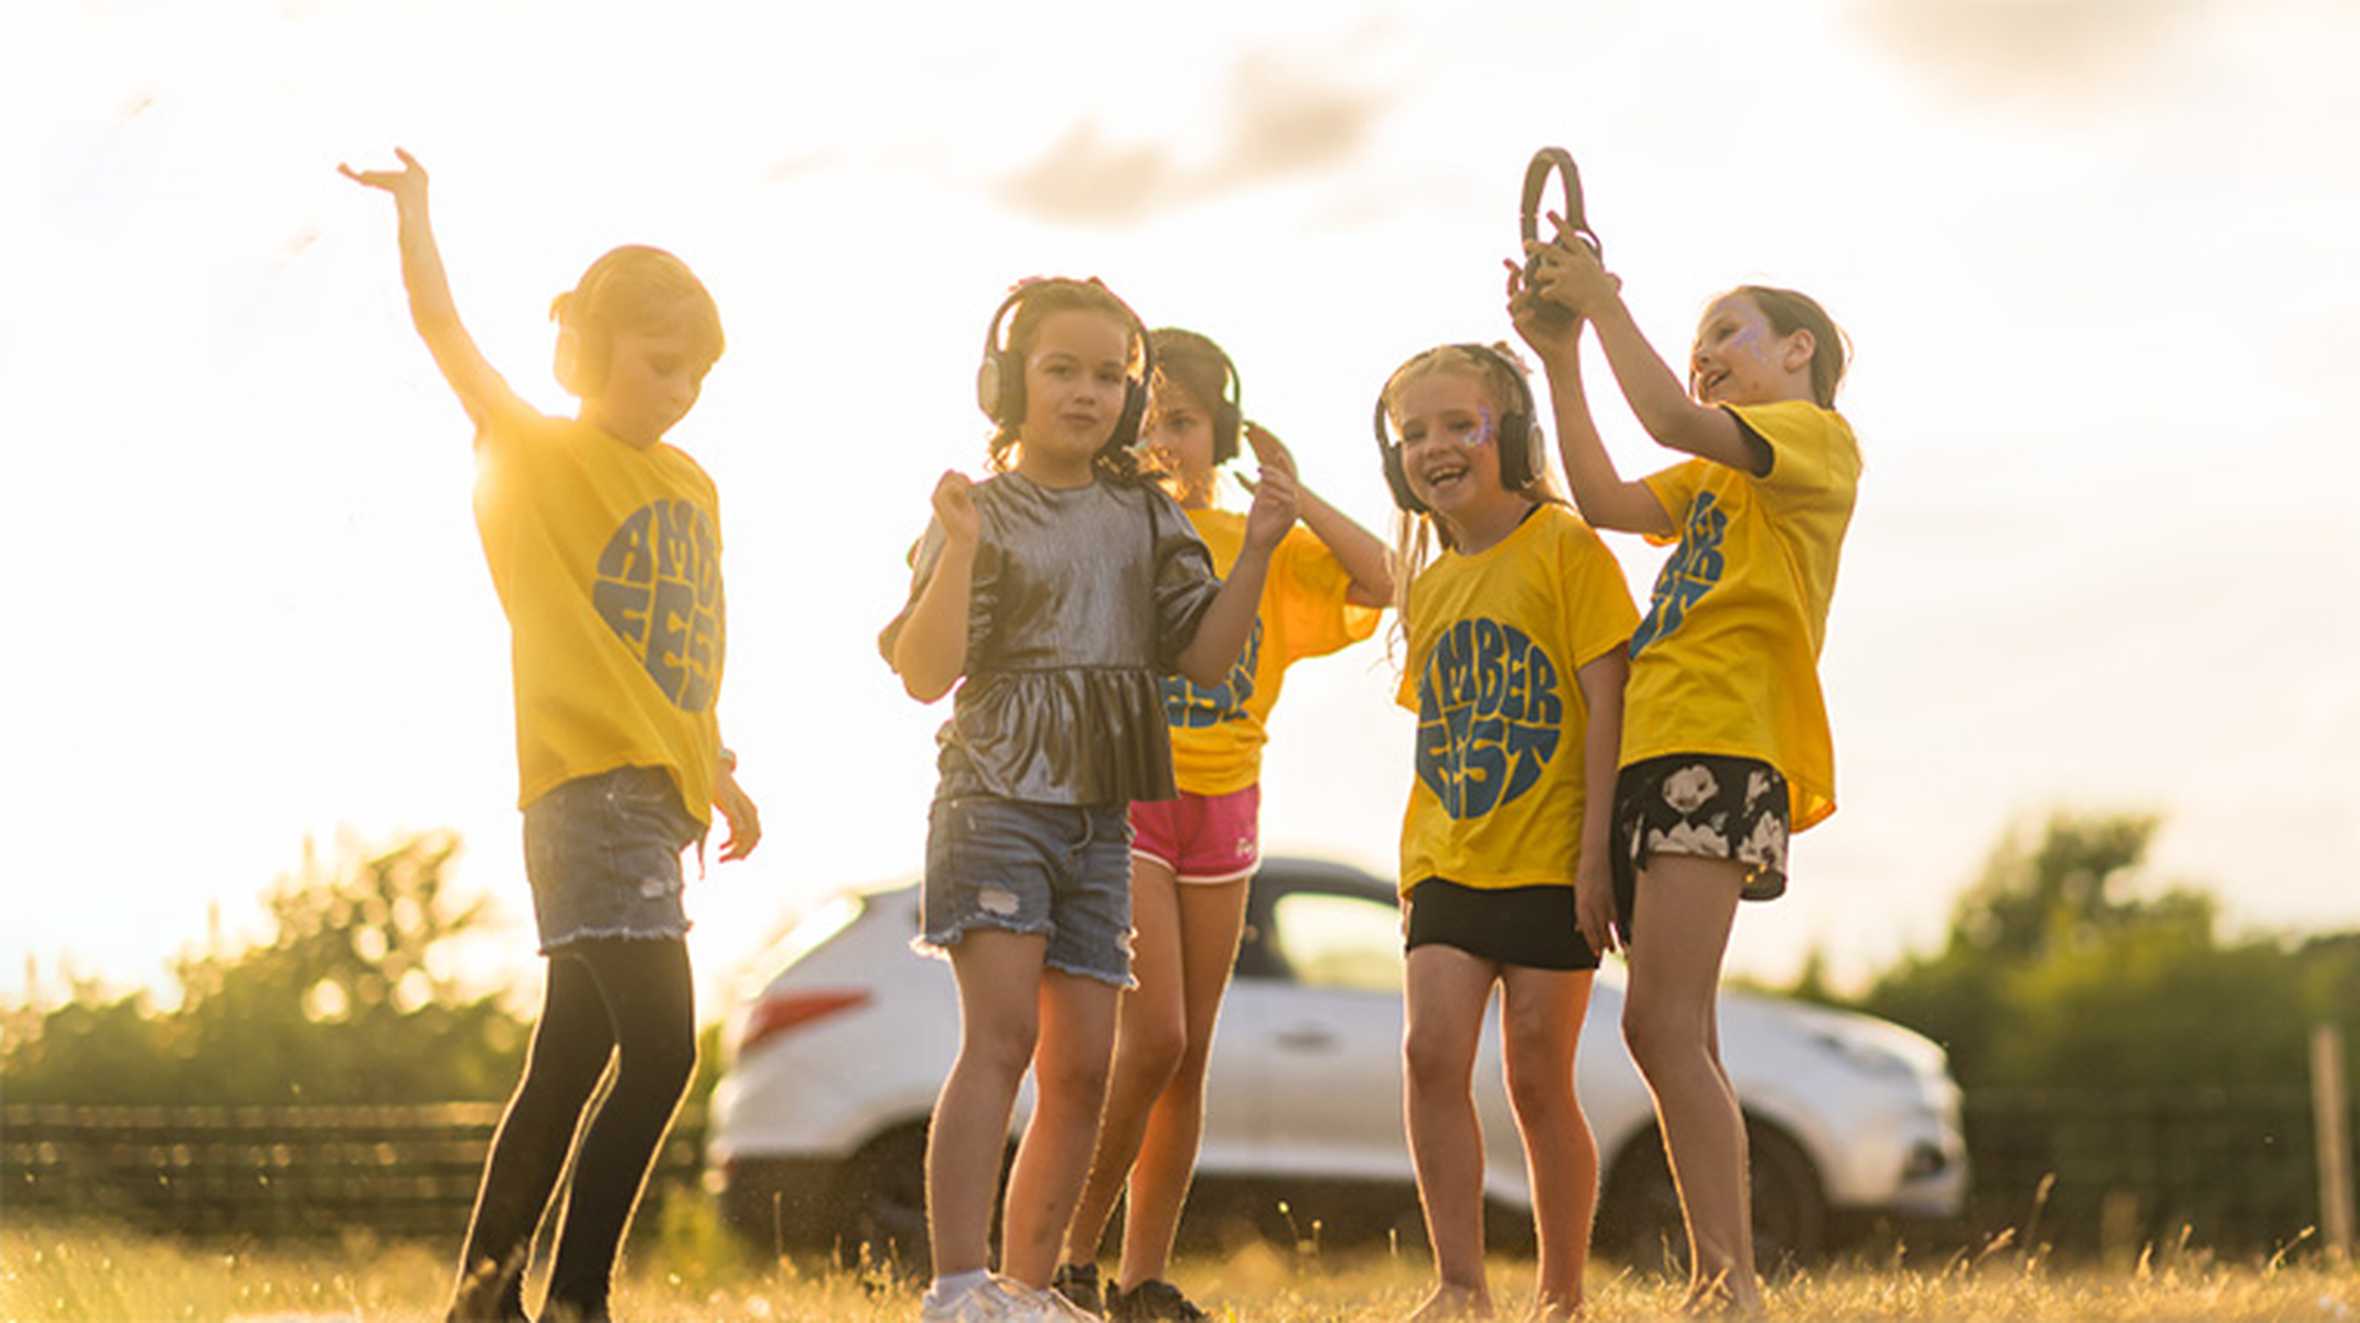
x=1639 y=1214
x=1790 y=1211
x=882 y=1193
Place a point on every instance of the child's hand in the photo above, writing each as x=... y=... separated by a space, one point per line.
x=1550 y=337
x=1271 y=451
x=745 y=825
x=1273 y=511
x=1569 y=272
x=408 y=184
x=954 y=509
x=1593 y=912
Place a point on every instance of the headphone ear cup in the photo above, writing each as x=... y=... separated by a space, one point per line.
x=1398 y=480
x=1227 y=427
x=568 y=362
x=999 y=388
x=1519 y=456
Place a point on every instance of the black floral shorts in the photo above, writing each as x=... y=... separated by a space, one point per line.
x=1705 y=805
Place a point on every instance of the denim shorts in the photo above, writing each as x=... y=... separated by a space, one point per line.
x=603 y=855
x=1061 y=870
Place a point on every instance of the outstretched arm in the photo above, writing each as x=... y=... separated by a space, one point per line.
x=1357 y=550
x=1570 y=275
x=481 y=390
x=1598 y=491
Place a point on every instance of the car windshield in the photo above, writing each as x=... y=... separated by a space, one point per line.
x=1333 y=941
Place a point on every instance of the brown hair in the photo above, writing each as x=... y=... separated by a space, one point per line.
x=1038 y=305
x=1417 y=535
x=639 y=288
x=1789 y=311
x=1193 y=363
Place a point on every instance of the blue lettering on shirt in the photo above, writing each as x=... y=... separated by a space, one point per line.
x=658 y=587
x=1490 y=716
x=1694 y=568
x=1190 y=708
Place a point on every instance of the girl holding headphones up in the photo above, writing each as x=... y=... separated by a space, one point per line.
x=1515 y=631
x=1059 y=590
x=1192 y=856
x=1725 y=739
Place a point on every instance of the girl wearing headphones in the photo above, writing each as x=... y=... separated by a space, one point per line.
x=1058 y=590
x=1727 y=742
x=1192 y=855
x=1514 y=625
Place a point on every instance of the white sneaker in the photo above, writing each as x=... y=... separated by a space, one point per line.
x=999 y=1300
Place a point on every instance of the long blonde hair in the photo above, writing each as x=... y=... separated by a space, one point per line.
x=1417 y=535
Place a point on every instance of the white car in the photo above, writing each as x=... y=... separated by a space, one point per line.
x=817 y=1129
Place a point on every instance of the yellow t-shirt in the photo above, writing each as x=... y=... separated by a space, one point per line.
x=608 y=564
x=1727 y=661
x=1218 y=733
x=1495 y=640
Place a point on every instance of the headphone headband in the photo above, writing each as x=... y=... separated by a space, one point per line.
x=1518 y=437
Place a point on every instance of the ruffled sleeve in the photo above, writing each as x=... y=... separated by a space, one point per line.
x=1185 y=584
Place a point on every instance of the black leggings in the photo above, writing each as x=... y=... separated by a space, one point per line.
x=629 y=998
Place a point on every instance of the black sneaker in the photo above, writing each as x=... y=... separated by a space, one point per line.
x=1078 y=1282
x=1152 y=1301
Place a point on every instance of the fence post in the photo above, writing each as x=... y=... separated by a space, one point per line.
x=2331 y=1113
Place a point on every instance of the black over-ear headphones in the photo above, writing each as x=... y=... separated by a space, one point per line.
x=1520 y=442
x=999 y=381
x=1228 y=418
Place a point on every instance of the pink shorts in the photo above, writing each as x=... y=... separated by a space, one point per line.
x=1201 y=838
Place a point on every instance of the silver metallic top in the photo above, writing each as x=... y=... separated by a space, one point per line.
x=1082 y=598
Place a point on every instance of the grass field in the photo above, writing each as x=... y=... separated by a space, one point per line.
x=84 y=1274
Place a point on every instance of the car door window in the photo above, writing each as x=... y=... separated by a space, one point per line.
x=1332 y=941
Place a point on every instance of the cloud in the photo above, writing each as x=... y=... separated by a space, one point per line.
x=2067 y=49
x=1081 y=178
x=1280 y=123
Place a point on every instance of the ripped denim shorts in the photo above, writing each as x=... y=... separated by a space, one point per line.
x=1061 y=870
x=603 y=855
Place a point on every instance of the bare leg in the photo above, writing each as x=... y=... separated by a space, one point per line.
x=1077 y=1017
x=1150 y=1037
x=1212 y=915
x=1669 y=1021
x=1541 y=1024
x=999 y=977
x=1447 y=990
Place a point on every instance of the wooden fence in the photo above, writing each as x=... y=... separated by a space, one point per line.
x=2087 y=1170
x=266 y=1171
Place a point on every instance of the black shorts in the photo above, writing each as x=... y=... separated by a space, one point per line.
x=1705 y=805
x=1531 y=926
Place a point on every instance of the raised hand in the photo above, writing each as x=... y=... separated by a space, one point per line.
x=954 y=508
x=408 y=184
x=1569 y=273
x=1269 y=450
x=1273 y=510
x=1550 y=337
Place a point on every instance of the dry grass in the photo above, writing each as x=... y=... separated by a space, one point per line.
x=88 y=1275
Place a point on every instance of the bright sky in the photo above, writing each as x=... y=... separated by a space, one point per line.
x=2097 y=259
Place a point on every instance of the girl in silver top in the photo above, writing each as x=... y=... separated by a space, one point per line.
x=1059 y=590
